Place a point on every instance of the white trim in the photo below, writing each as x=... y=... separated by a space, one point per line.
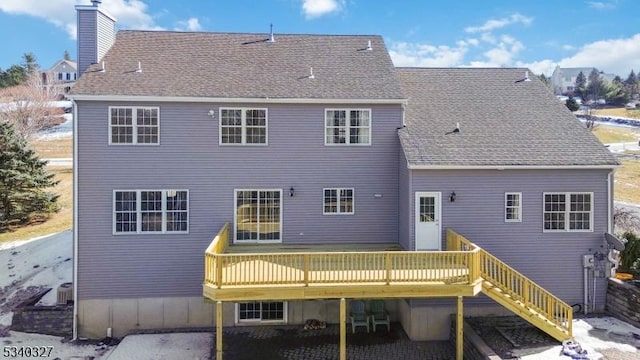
x=75 y=220
x=285 y=313
x=235 y=218
x=262 y=100
x=134 y=125
x=519 y=207
x=338 y=212
x=567 y=212
x=348 y=127
x=243 y=126
x=610 y=184
x=138 y=212
x=509 y=167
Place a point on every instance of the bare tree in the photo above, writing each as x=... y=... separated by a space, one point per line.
x=29 y=107
x=625 y=220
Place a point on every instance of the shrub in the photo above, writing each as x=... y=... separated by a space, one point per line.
x=631 y=253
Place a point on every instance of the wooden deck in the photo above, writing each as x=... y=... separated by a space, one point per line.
x=291 y=272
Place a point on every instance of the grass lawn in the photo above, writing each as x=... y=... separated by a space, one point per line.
x=614 y=134
x=53 y=148
x=618 y=112
x=627 y=179
x=57 y=222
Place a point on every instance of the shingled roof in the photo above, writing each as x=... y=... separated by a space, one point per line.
x=236 y=65
x=502 y=122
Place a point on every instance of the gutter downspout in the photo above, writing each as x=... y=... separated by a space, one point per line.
x=75 y=220
x=610 y=255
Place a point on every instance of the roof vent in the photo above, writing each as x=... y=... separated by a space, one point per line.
x=369 y=48
x=526 y=77
x=272 y=38
x=96 y=3
x=311 y=76
x=139 y=69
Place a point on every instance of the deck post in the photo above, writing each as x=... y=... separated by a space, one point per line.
x=459 y=330
x=219 y=330
x=343 y=329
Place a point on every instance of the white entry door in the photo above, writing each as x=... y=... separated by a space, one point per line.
x=427 y=220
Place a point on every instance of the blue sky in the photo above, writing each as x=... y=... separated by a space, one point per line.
x=537 y=34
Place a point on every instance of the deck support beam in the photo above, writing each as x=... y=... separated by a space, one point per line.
x=219 y=330
x=459 y=330
x=343 y=329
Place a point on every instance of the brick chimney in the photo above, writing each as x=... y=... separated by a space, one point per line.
x=96 y=34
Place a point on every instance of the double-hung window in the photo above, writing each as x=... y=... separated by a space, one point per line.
x=513 y=207
x=134 y=125
x=347 y=127
x=243 y=126
x=568 y=211
x=338 y=201
x=150 y=211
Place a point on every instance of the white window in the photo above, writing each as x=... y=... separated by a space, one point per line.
x=338 y=201
x=513 y=207
x=261 y=311
x=347 y=127
x=568 y=212
x=258 y=215
x=243 y=126
x=134 y=125
x=150 y=211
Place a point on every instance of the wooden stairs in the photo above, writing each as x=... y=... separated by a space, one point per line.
x=527 y=300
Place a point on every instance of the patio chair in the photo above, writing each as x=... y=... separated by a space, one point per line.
x=358 y=315
x=379 y=315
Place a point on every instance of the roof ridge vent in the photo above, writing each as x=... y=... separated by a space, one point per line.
x=139 y=69
x=369 y=47
x=311 y=76
x=272 y=38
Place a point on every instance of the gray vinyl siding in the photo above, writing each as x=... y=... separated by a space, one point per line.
x=189 y=157
x=96 y=34
x=87 y=42
x=106 y=36
x=551 y=259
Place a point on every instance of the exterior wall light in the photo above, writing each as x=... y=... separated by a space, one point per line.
x=292 y=191
x=452 y=197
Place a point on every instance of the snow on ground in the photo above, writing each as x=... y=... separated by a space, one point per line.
x=594 y=335
x=47 y=262
x=59 y=131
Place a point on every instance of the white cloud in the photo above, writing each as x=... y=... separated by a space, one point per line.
x=617 y=56
x=493 y=24
x=424 y=55
x=568 y=47
x=61 y=13
x=317 y=8
x=191 y=24
x=600 y=5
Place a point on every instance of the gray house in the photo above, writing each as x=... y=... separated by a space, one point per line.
x=306 y=158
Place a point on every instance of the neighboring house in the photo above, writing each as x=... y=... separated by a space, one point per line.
x=321 y=157
x=62 y=75
x=564 y=79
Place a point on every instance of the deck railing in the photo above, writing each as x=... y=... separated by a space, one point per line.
x=462 y=263
x=317 y=268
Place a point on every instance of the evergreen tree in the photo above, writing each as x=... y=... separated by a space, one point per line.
x=580 y=87
x=67 y=56
x=15 y=75
x=594 y=85
x=23 y=181
x=30 y=63
x=546 y=81
x=632 y=83
x=572 y=104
